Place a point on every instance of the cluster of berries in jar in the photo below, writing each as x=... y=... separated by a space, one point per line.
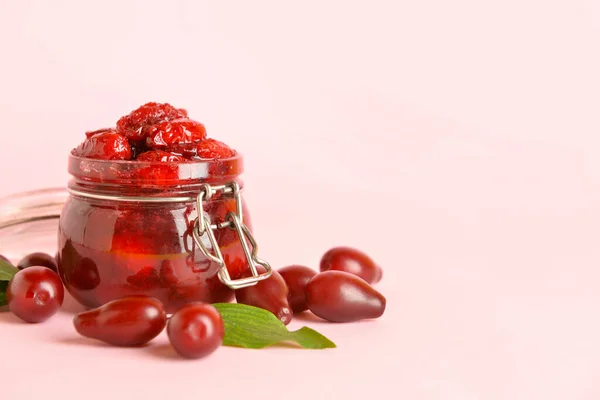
x=155 y=132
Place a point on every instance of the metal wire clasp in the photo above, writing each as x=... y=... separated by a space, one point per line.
x=233 y=220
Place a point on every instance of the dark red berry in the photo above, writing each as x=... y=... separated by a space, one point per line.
x=168 y=133
x=145 y=278
x=135 y=125
x=130 y=321
x=353 y=261
x=167 y=274
x=338 y=296
x=137 y=148
x=105 y=146
x=85 y=275
x=196 y=330
x=160 y=156
x=35 y=294
x=270 y=294
x=38 y=260
x=296 y=278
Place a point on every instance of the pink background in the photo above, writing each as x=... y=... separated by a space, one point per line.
x=454 y=141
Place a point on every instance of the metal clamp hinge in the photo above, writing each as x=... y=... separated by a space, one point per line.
x=233 y=220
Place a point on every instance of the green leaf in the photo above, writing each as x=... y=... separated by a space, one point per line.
x=255 y=328
x=7 y=271
x=3 y=285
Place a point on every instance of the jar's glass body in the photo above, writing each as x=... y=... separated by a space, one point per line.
x=109 y=248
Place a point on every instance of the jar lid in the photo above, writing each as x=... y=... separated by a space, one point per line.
x=29 y=222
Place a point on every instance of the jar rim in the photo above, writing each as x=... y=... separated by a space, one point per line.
x=237 y=156
x=131 y=172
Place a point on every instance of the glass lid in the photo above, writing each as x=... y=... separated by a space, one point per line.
x=29 y=222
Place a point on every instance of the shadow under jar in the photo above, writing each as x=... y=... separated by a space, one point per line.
x=127 y=228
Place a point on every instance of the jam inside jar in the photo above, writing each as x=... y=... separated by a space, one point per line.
x=127 y=229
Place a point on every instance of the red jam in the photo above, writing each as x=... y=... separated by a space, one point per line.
x=109 y=249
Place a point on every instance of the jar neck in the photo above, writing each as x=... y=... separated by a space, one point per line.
x=131 y=178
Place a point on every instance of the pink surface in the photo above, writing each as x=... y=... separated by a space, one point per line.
x=456 y=142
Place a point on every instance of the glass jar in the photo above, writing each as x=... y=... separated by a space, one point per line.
x=29 y=221
x=174 y=231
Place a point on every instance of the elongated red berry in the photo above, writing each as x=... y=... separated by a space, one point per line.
x=130 y=321
x=296 y=278
x=270 y=294
x=338 y=296
x=353 y=261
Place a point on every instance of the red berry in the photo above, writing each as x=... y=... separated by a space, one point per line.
x=196 y=330
x=38 y=260
x=85 y=276
x=338 y=296
x=296 y=278
x=187 y=150
x=168 y=133
x=211 y=149
x=134 y=125
x=145 y=278
x=167 y=274
x=352 y=261
x=35 y=294
x=164 y=174
x=130 y=321
x=270 y=294
x=105 y=146
x=89 y=134
x=140 y=231
x=160 y=156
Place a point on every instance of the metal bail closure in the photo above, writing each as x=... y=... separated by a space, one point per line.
x=234 y=221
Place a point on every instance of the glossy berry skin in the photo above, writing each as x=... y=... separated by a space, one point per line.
x=35 y=294
x=353 y=261
x=86 y=276
x=213 y=149
x=168 y=133
x=89 y=134
x=296 y=278
x=134 y=126
x=338 y=296
x=207 y=149
x=38 y=260
x=160 y=156
x=129 y=321
x=196 y=330
x=105 y=146
x=270 y=294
